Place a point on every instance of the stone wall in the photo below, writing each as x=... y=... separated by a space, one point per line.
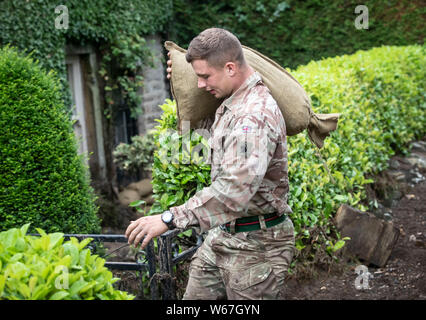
x=156 y=87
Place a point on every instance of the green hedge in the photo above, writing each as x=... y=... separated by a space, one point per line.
x=295 y=32
x=381 y=96
x=43 y=181
x=47 y=268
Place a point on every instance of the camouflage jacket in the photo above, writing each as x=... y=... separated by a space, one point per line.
x=248 y=161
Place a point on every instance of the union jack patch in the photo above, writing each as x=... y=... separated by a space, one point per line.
x=246 y=129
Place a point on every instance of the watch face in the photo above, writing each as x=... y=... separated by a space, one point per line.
x=167 y=216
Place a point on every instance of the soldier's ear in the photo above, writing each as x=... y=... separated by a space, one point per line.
x=230 y=68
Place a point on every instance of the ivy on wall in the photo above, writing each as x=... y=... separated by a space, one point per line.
x=116 y=27
x=294 y=32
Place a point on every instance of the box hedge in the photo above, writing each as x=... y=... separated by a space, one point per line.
x=43 y=181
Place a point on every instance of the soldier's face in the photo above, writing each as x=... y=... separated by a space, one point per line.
x=216 y=81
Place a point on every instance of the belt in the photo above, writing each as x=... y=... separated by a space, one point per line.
x=253 y=223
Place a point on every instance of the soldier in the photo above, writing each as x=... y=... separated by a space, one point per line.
x=250 y=240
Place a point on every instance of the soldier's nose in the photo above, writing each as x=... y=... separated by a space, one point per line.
x=201 y=84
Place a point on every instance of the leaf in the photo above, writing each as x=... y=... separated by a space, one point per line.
x=187 y=178
x=171 y=200
x=60 y=295
x=201 y=177
x=24 y=290
x=298 y=191
x=339 y=244
x=11 y=236
x=2 y=282
x=40 y=292
x=19 y=270
x=137 y=203
x=83 y=243
x=180 y=194
x=71 y=250
x=340 y=198
x=24 y=229
x=32 y=283
x=21 y=245
x=84 y=257
x=88 y=286
x=77 y=286
x=55 y=239
x=41 y=231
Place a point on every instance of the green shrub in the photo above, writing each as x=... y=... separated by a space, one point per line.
x=381 y=96
x=178 y=170
x=43 y=181
x=47 y=268
x=139 y=154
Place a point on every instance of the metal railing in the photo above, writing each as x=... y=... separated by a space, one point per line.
x=158 y=261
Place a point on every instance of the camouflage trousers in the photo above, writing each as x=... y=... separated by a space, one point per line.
x=247 y=265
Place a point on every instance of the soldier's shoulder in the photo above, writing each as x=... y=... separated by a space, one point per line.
x=261 y=103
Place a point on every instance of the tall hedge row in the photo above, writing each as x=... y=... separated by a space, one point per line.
x=43 y=181
x=381 y=96
x=294 y=32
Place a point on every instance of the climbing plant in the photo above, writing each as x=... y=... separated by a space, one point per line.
x=116 y=27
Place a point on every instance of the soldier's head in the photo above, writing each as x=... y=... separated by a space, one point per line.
x=218 y=60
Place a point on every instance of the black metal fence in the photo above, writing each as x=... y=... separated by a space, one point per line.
x=156 y=260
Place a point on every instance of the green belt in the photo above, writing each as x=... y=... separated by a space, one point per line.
x=253 y=223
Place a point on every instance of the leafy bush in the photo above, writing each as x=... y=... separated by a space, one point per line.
x=381 y=96
x=42 y=178
x=47 y=268
x=137 y=155
x=178 y=170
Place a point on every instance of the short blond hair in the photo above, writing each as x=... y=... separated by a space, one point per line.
x=216 y=46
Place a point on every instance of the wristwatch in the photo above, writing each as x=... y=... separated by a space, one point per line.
x=167 y=218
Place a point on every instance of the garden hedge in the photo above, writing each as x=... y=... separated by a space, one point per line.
x=295 y=32
x=43 y=181
x=381 y=96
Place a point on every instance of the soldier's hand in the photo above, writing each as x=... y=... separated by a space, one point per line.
x=169 y=68
x=148 y=227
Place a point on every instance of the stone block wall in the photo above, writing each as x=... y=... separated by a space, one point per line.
x=156 y=87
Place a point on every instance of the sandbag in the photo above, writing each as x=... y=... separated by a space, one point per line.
x=194 y=104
